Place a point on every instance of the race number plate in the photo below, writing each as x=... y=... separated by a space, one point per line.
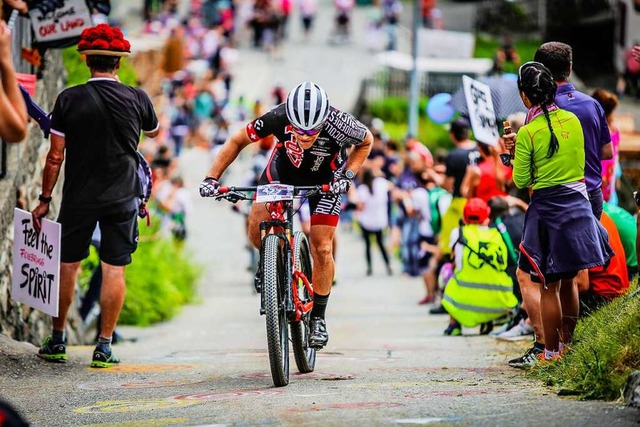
x=274 y=193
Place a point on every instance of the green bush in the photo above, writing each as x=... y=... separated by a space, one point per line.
x=160 y=280
x=78 y=73
x=605 y=351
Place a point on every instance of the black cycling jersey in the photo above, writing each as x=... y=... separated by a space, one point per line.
x=290 y=164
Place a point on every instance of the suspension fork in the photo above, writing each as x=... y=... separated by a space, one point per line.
x=285 y=237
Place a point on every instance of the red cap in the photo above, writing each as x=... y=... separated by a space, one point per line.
x=476 y=211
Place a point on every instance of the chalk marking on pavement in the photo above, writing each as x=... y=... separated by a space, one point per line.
x=133 y=405
x=145 y=384
x=424 y=421
x=443 y=369
x=138 y=368
x=352 y=405
x=323 y=376
x=142 y=423
x=455 y=393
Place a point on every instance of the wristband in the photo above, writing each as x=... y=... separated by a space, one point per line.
x=44 y=199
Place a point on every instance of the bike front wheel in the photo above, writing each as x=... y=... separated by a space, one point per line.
x=305 y=355
x=273 y=286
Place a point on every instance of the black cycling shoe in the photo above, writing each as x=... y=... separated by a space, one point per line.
x=319 y=336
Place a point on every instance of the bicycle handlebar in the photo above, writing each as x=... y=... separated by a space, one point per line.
x=234 y=193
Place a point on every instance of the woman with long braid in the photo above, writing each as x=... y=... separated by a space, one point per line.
x=561 y=235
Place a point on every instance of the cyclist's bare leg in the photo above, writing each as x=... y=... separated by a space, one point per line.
x=257 y=214
x=323 y=264
x=111 y=298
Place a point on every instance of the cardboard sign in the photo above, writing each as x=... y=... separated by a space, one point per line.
x=481 y=114
x=62 y=23
x=36 y=263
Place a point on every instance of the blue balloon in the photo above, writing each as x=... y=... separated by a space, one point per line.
x=439 y=108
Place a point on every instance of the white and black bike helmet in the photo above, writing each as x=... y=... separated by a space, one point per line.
x=307 y=106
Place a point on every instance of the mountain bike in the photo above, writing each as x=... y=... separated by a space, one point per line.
x=284 y=277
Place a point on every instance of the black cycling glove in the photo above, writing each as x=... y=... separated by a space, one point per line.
x=209 y=187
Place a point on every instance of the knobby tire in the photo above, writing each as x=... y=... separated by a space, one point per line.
x=305 y=356
x=273 y=285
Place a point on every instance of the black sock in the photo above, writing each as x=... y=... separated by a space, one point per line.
x=538 y=345
x=57 y=336
x=319 y=305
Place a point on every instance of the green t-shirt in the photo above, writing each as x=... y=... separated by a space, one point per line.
x=626 y=225
x=531 y=165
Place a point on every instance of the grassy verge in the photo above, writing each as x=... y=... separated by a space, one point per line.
x=606 y=350
x=160 y=280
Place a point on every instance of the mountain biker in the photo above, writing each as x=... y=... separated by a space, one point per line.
x=313 y=141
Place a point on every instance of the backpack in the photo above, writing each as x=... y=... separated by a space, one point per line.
x=436 y=215
x=146 y=185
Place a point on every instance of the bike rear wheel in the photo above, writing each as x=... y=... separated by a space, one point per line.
x=305 y=356
x=273 y=286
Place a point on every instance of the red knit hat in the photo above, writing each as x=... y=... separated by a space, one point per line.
x=103 y=40
x=476 y=211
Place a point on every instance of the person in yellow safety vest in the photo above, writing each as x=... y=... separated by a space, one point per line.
x=480 y=289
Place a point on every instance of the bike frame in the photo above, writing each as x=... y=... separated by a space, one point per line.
x=281 y=224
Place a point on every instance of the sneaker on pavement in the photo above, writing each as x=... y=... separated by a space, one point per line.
x=453 y=330
x=543 y=360
x=103 y=357
x=319 y=336
x=500 y=330
x=527 y=360
x=53 y=352
x=427 y=300
x=521 y=331
x=439 y=309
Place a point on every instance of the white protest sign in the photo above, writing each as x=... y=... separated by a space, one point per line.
x=36 y=263
x=62 y=23
x=481 y=114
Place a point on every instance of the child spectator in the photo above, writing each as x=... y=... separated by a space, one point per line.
x=480 y=290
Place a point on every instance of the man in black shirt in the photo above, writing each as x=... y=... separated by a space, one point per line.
x=96 y=126
x=313 y=139
x=465 y=154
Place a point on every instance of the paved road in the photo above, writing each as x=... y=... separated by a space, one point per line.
x=387 y=362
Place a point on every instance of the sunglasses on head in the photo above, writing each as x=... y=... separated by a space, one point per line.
x=308 y=132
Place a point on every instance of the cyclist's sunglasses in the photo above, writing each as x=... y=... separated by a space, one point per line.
x=309 y=132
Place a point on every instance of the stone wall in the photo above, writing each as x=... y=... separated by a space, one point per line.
x=20 y=187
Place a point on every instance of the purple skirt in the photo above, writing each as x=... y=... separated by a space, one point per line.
x=561 y=235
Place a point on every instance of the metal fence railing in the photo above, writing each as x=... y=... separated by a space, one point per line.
x=21 y=36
